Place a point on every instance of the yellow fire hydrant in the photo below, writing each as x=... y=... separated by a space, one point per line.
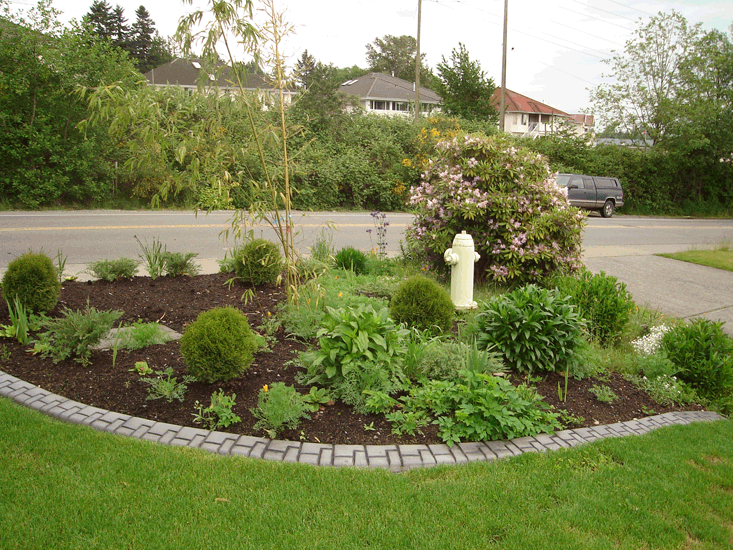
x=461 y=259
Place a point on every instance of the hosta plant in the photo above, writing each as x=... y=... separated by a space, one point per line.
x=507 y=199
x=349 y=337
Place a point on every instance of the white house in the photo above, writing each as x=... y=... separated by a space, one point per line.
x=388 y=95
x=191 y=73
x=527 y=117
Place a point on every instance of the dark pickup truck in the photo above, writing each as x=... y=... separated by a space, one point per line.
x=592 y=193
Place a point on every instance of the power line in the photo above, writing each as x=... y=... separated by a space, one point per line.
x=604 y=11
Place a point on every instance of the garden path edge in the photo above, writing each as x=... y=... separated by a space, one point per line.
x=396 y=458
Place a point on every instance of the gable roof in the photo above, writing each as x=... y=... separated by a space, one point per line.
x=385 y=87
x=518 y=103
x=188 y=72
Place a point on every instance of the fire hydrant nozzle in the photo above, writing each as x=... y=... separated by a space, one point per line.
x=461 y=258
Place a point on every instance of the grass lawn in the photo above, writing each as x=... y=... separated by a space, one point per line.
x=66 y=486
x=720 y=257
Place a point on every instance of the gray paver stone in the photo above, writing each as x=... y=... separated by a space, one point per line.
x=326 y=458
x=282 y=446
x=440 y=449
x=291 y=454
x=343 y=460
x=347 y=450
x=378 y=461
x=412 y=450
x=308 y=458
x=379 y=450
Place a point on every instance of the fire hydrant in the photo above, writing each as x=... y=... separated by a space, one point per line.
x=461 y=259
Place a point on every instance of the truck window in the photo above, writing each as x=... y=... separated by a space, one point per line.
x=606 y=182
x=576 y=180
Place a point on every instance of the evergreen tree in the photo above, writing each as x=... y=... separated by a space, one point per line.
x=304 y=68
x=100 y=17
x=120 y=30
x=141 y=41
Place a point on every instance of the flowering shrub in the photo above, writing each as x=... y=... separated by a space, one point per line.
x=505 y=197
x=651 y=342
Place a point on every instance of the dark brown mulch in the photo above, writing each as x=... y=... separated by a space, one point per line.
x=177 y=302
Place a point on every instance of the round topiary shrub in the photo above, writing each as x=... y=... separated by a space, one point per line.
x=218 y=345
x=351 y=259
x=258 y=262
x=422 y=303
x=34 y=280
x=506 y=198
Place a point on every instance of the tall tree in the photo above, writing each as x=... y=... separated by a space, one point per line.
x=394 y=55
x=464 y=88
x=644 y=98
x=44 y=159
x=119 y=28
x=141 y=39
x=304 y=68
x=100 y=17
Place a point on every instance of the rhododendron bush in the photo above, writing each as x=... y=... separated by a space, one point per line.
x=507 y=199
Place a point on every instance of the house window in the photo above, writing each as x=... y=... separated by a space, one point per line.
x=375 y=105
x=400 y=106
x=524 y=119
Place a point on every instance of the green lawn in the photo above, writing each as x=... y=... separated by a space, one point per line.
x=66 y=486
x=720 y=258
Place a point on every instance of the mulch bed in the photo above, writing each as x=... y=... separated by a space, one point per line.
x=176 y=302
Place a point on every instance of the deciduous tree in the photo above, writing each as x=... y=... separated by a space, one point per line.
x=464 y=88
x=394 y=55
x=645 y=95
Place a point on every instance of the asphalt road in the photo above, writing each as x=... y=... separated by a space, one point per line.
x=623 y=246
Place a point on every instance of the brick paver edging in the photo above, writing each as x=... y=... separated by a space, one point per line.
x=394 y=457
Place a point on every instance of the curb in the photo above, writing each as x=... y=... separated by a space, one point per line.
x=396 y=458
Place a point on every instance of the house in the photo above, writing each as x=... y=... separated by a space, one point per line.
x=191 y=73
x=527 y=117
x=387 y=95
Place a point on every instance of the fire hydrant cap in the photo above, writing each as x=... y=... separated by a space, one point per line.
x=463 y=239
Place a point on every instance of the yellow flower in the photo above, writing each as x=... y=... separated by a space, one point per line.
x=336 y=277
x=269 y=314
x=341 y=294
x=265 y=388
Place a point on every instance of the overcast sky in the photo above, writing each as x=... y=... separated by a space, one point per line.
x=556 y=47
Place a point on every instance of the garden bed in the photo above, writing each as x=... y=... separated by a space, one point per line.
x=176 y=302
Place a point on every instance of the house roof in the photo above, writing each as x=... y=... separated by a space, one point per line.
x=518 y=103
x=188 y=72
x=385 y=87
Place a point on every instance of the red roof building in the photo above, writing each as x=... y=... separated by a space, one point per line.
x=528 y=117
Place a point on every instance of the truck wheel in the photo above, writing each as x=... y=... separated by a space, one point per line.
x=607 y=210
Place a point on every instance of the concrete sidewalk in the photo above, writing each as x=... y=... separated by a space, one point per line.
x=676 y=288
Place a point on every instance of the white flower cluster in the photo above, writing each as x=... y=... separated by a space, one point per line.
x=649 y=344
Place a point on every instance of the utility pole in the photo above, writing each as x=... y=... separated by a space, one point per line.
x=502 y=105
x=417 y=63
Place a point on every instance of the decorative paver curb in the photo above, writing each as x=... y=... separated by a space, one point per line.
x=393 y=457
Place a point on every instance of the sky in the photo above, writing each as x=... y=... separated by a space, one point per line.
x=555 y=48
